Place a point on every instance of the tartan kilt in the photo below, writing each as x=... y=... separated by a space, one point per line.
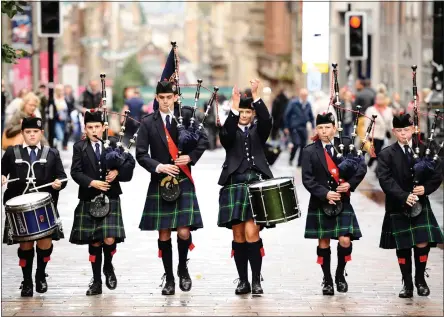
x=87 y=229
x=234 y=204
x=161 y=214
x=321 y=226
x=55 y=236
x=402 y=232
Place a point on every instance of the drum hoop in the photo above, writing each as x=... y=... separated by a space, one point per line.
x=33 y=237
x=290 y=179
x=254 y=190
x=280 y=219
x=29 y=206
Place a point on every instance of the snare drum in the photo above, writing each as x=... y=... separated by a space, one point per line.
x=274 y=201
x=31 y=216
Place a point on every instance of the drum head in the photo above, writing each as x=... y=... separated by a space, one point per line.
x=274 y=182
x=28 y=201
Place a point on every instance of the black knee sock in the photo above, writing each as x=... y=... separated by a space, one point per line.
x=405 y=264
x=95 y=257
x=108 y=253
x=166 y=253
x=344 y=256
x=255 y=254
x=26 y=259
x=324 y=257
x=240 y=253
x=182 y=247
x=43 y=257
x=421 y=256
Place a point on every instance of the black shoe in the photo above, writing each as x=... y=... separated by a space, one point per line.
x=256 y=288
x=341 y=284
x=243 y=287
x=27 y=288
x=407 y=289
x=40 y=284
x=327 y=287
x=185 y=282
x=170 y=286
x=95 y=288
x=110 y=278
x=422 y=288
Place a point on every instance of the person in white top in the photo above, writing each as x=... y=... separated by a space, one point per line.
x=383 y=123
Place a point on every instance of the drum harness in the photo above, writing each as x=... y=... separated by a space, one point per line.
x=31 y=178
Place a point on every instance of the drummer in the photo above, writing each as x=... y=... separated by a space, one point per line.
x=244 y=138
x=50 y=172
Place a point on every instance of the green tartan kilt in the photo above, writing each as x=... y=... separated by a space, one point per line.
x=321 y=226
x=402 y=232
x=234 y=204
x=55 y=236
x=161 y=214
x=87 y=229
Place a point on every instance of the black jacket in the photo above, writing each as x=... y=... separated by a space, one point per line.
x=152 y=138
x=316 y=177
x=396 y=177
x=85 y=169
x=232 y=139
x=46 y=173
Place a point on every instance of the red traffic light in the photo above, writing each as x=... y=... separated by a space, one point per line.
x=355 y=22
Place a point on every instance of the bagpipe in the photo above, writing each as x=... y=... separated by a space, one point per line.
x=347 y=157
x=424 y=162
x=117 y=156
x=189 y=130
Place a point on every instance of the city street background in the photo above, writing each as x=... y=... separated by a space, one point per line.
x=292 y=279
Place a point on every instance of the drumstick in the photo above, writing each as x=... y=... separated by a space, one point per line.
x=49 y=184
x=11 y=180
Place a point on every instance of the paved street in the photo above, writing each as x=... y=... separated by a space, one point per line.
x=292 y=279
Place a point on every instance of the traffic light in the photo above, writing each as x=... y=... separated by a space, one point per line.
x=356 y=36
x=49 y=18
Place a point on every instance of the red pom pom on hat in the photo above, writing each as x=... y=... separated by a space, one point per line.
x=92 y=110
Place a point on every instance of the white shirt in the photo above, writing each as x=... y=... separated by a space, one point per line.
x=26 y=146
x=403 y=148
x=332 y=149
x=164 y=115
x=93 y=144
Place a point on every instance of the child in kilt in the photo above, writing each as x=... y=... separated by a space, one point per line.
x=52 y=171
x=159 y=134
x=317 y=178
x=401 y=231
x=245 y=162
x=89 y=170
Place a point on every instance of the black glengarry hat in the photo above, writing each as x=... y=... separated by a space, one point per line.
x=93 y=115
x=402 y=121
x=166 y=87
x=246 y=103
x=32 y=123
x=325 y=118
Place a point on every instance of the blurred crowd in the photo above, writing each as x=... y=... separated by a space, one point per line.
x=293 y=114
x=63 y=120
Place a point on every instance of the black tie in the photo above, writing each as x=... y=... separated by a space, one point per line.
x=33 y=154
x=168 y=123
x=328 y=147
x=246 y=131
x=408 y=154
x=97 y=151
